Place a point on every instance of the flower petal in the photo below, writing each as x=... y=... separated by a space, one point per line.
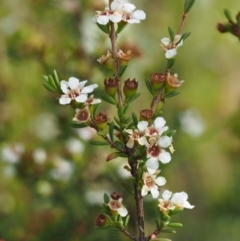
x=159 y=122
x=154 y=191
x=164 y=156
x=128 y=7
x=122 y=211
x=139 y=14
x=142 y=125
x=145 y=190
x=103 y=19
x=160 y=181
x=89 y=89
x=152 y=163
x=166 y=195
x=73 y=83
x=81 y=98
x=165 y=41
x=165 y=141
x=64 y=100
x=171 y=53
x=64 y=86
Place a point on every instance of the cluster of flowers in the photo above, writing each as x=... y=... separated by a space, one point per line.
x=119 y=11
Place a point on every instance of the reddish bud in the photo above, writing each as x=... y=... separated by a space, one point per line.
x=146 y=115
x=101 y=121
x=110 y=86
x=157 y=80
x=102 y=221
x=172 y=83
x=130 y=87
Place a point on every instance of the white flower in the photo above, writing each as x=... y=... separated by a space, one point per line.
x=180 y=200
x=137 y=134
x=171 y=48
x=75 y=90
x=12 y=153
x=92 y=101
x=119 y=11
x=115 y=204
x=151 y=183
x=176 y=201
x=156 y=152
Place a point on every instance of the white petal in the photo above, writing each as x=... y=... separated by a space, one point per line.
x=96 y=101
x=73 y=83
x=81 y=98
x=129 y=131
x=89 y=89
x=142 y=125
x=116 y=17
x=150 y=170
x=64 y=86
x=165 y=128
x=154 y=191
x=128 y=7
x=152 y=163
x=170 y=53
x=165 y=41
x=165 y=141
x=122 y=211
x=103 y=19
x=164 y=156
x=144 y=191
x=130 y=143
x=166 y=195
x=160 y=181
x=116 y=5
x=139 y=14
x=142 y=140
x=188 y=205
x=133 y=20
x=64 y=100
x=159 y=122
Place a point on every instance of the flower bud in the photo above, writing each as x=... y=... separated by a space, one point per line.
x=104 y=58
x=172 y=83
x=82 y=115
x=101 y=121
x=146 y=115
x=110 y=86
x=102 y=221
x=157 y=80
x=130 y=87
x=124 y=57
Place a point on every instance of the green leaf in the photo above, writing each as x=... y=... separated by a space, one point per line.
x=131 y=99
x=188 y=5
x=104 y=28
x=117 y=120
x=135 y=119
x=121 y=26
x=106 y=198
x=185 y=36
x=170 y=132
x=171 y=33
x=122 y=70
x=56 y=80
x=128 y=188
x=49 y=86
x=157 y=224
x=51 y=81
x=119 y=145
x=96 y=109
x=149 y=86
x=99 y=143
x=175 y=225
x=120 y=113
x=111 y=130
x=125 y=109
x=170 y=63
x=168 y=231
x=127 y=120
x=75 y=124
x=157 y=114
x=228 y=15
x=126 y=220
x=108 y=98
x=171 y=94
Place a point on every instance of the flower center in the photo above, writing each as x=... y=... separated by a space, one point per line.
x=114 y=204
x=149 y=181
x=154 y=150
x=73 y=93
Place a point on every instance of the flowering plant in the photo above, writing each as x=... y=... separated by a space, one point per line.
x=144 y=139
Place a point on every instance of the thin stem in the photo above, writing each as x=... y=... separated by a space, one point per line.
x=155 y=233
x=139 y=202
x=182 y=22
x=128 y=234
x=113 y=37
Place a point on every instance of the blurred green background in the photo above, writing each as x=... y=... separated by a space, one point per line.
x=53 y=181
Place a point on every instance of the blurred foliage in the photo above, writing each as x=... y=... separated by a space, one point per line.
x=53 y=181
